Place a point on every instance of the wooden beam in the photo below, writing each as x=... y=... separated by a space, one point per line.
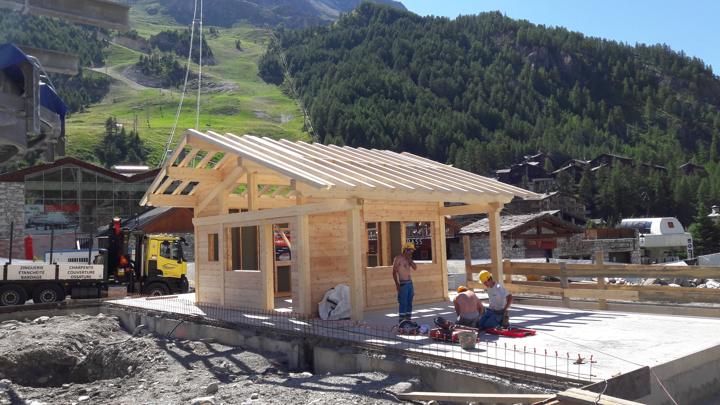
x=496 y=242
x=295 y=210
x=163 y=172
x=476 y=398
x=301 y=254
x=355 y=230
x=193 y=174
x=273 y=162
x=442 y=254
x=206 y=159
x=198 y=262
x=405 y=195
x=464 y=209
x=224 y=250
x=468 y=257
x=239 y=202
x=225 y=184
x=600 y=261
x=564 y=285
x=164 y=186
x=182 y=186
x=190 y=155
x=252 y=192
x=167 y=200
x=267 y=267
x=582 y=397
x=384 y=243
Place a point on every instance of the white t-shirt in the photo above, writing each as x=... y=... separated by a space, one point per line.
x=497 y=296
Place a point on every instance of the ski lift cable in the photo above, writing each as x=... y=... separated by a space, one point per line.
x=182 y=95
x=197 y=111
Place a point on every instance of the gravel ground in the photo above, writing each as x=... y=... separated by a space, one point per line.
x=91 y=359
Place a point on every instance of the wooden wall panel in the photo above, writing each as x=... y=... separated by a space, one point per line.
x=244 y=289
x=380 y=287
x=328 y=254
x=377 y=211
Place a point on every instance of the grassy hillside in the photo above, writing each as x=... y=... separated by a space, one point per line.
x=240 y=102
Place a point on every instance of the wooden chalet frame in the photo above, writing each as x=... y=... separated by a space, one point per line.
x=326 y=195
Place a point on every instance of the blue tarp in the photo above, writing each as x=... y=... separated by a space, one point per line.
x=10 y=58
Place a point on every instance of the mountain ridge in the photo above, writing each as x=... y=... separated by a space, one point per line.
x=286 y=13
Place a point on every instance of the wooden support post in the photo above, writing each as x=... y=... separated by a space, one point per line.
x=441 y=251
x=252 y=191
x=384 y=242
x=222 y=243
x=507 y=269
x=468 y=258
x=357 y=284
x=196 y=248
x=600 y=263
x=564 y=284
x=301 y=253
x=495 y=241
x=267 y=267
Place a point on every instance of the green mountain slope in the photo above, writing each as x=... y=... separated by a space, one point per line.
x=234 y=98
x=482 y=91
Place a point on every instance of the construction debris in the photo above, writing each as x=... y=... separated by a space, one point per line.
x=91 y=359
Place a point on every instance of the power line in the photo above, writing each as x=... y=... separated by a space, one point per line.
x=197 y=111
x=182 y=95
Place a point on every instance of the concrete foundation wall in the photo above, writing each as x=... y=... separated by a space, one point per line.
x=692 y=379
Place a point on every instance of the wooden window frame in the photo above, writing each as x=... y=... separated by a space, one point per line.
x=213 y=243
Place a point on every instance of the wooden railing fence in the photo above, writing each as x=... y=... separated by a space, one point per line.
x=586 y=289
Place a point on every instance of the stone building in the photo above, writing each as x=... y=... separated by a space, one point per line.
x=538 y=235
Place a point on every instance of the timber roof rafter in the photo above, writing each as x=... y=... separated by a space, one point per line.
x=284 y=170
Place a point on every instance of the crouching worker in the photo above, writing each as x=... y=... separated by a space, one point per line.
x=500 y=300
x=468 y=307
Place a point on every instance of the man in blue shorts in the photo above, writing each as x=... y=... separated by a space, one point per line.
x=500 y=300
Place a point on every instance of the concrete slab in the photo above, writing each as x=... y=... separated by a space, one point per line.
x=618 y=342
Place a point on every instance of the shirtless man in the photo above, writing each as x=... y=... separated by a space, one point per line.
x=468 y=307
x=403 y=265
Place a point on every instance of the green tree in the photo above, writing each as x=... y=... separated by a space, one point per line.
x=586 y=187
x=706 y=234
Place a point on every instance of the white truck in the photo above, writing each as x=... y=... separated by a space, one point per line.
x=44 y=282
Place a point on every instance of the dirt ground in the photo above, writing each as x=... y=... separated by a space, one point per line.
x=91 y=359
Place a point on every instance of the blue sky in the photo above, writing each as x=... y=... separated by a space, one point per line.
x=690 y=26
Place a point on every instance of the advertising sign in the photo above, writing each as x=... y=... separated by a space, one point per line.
x=30 y=272
x=71 y=271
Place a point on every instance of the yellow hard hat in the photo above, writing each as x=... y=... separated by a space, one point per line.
x=485 y=276
x=461 y=289
x=409 y=245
